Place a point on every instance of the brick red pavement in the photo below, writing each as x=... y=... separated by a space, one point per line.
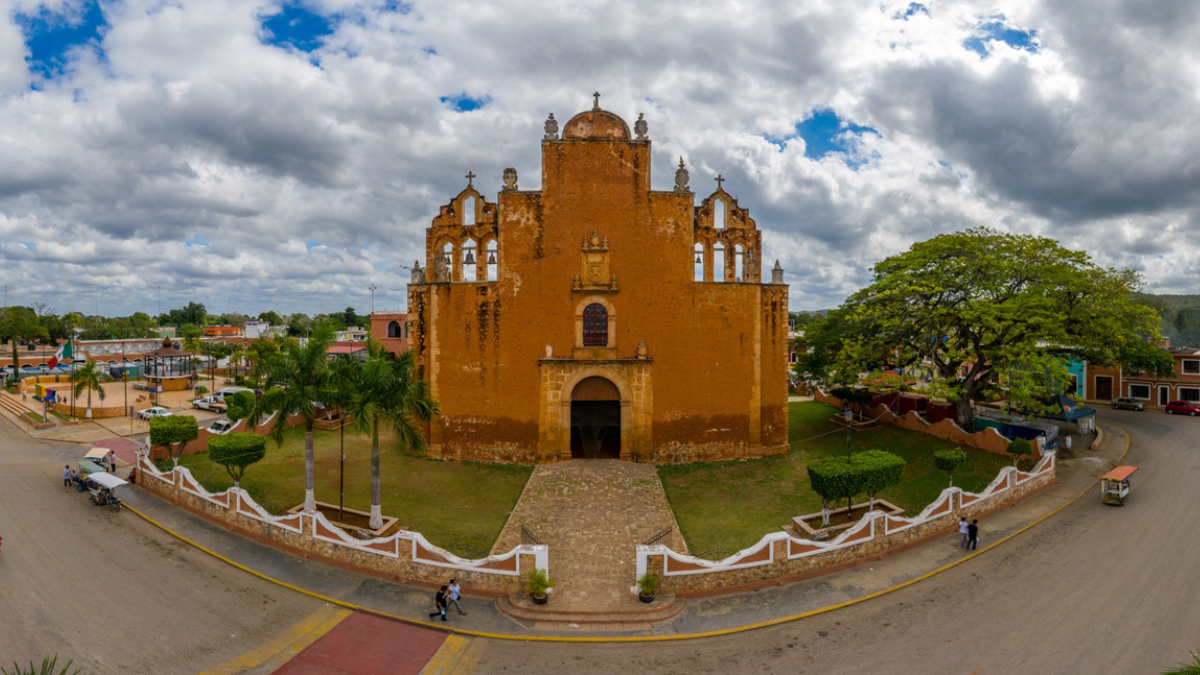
x=125 y=448
x=367 y=645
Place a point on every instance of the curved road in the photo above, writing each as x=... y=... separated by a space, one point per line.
x=1094 y=589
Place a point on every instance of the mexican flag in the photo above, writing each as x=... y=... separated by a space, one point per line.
x=64 y=354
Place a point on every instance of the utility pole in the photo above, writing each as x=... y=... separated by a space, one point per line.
x=373 y=288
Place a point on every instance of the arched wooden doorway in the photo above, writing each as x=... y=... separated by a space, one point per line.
x=595 y=419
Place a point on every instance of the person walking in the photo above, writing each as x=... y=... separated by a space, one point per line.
x=973 y=535
x=455 y=594
x=24 y=395
x=112 y=461
x=67 y=475
x=962 y=529
x=1067 y=440
x=440 y=601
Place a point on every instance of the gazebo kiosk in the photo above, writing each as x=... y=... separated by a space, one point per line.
x=170 y=367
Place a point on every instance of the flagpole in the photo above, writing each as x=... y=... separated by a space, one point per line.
x=70 y=341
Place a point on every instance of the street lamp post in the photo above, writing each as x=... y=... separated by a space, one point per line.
x=849 y=418
x=372 y=288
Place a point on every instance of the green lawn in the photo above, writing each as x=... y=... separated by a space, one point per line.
x=460 y=506
x=726 y=506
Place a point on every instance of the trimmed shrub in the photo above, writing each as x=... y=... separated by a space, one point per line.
x=949 y=461
x=1018 y=448
x=833 y=479
x=237 y=451
x=852 y=395
x=239 y=404
x=174 y=432
x=877 y=470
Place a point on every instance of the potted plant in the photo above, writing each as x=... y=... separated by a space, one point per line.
x=647 y=587
x=538 y=586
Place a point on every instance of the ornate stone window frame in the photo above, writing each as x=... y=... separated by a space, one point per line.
x=612 y=321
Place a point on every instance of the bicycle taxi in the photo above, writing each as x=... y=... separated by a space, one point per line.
x=1114 y=485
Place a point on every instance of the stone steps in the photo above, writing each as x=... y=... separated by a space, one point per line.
x=19 y=409
x=518 y=606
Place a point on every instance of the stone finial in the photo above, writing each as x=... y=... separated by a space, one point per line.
x=681 y=178
x=551 y=129
x=549 y=351
x=418 y=274
x=777 y=273
x=441 y=268
x=510 y=180
x=595 y=238
x=642 y=352
x=640 y=127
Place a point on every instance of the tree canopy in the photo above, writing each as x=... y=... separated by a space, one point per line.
x=980 y=306
x=236 y=451
x=239 y=405
x=949 y=461
x=174 y=432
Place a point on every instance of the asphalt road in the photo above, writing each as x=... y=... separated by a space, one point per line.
x=1094 y=589
x=109 y=590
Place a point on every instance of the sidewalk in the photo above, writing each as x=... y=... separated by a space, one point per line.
x=1076 y=473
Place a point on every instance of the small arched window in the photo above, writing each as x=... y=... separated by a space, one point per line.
x=393 y=330
x=595 y=326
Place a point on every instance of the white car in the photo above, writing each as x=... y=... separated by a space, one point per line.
x=156 y=411
x=221 y=426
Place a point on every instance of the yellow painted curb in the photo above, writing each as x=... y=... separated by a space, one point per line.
x=282 y=648
x=456 y=655
x=646 y=638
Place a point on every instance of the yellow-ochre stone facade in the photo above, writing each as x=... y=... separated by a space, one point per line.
x=598 y=317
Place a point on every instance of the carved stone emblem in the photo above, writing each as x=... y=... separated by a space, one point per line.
x=595 y=272
x=681 y=178
x=551 y=128
x=640 y=127
x=510 y=180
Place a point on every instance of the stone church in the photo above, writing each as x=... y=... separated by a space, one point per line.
x=598 y=317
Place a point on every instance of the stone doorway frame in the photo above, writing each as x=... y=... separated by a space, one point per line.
x=632 y=378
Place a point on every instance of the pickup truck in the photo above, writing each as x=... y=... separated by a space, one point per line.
x=210 y=403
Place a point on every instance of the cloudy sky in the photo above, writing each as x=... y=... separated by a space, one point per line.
x=259 y=155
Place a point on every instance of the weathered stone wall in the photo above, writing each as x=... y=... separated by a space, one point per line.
x=988 y=440
x=711 y=387
x=234 y=510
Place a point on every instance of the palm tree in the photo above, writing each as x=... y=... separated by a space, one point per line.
x=89 y=377
x=296 y=378
x=387 y=393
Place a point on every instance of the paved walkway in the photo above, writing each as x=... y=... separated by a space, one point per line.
x=592 y=513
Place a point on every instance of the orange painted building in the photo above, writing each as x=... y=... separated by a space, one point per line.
x=598 y=317
x=222 y=331
x=391 y=330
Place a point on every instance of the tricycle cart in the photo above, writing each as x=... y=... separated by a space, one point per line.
x=102 y=487
x=1114 y=485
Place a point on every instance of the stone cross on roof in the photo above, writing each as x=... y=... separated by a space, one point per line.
x=720 y=179
x=470 y=178
x=596 y=101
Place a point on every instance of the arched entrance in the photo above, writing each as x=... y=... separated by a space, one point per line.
x=595 y=419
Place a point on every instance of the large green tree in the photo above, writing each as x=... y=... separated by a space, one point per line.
x=980 y=305
x=384 y=391
x=236 y=451
x=20 y=323
x=174 y=432
x=296 y=380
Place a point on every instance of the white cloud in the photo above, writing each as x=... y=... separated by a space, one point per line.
x=190 y=129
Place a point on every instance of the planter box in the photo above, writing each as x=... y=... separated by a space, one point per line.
x=354 y=522
x=809 y=526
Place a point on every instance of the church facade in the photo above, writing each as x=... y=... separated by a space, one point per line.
x=597 y=317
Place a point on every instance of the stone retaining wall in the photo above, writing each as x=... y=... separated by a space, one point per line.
x=780 y=555
x=988 y=440
x=404 y=556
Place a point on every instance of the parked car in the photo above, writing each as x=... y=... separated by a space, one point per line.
x=210 y=403
x=1128 y=404
x=221 y=426
x=1183 y=408
x=227 y=391
x=156 y=411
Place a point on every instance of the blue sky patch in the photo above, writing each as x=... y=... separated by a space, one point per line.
x=914 y=8
x=198 y=240
x=296 y=26
x=997 y=30
x=824 y=133
x=51 y=35
x=310 y=245
x=465 y=103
